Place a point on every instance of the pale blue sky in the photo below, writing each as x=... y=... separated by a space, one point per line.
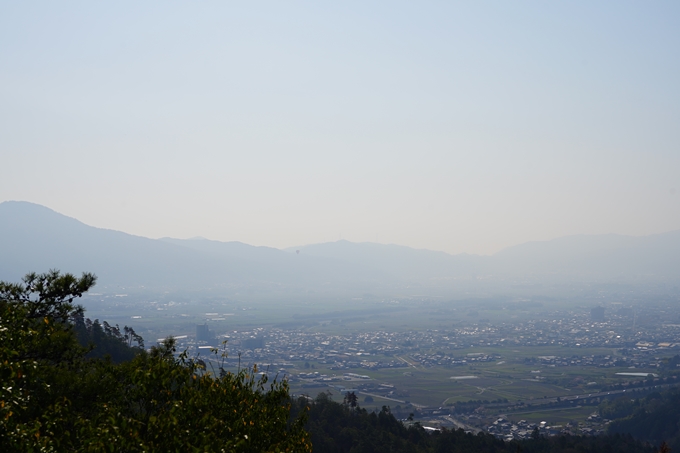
x=463 y=127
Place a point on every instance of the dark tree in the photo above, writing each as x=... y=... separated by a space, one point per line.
x=351 y=399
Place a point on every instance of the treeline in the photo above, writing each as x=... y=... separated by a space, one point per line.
x=103 y=340
x=340 y=428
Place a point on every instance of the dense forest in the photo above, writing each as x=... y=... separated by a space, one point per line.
x=71 y=384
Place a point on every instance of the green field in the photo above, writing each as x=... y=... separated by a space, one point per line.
x=434 y=386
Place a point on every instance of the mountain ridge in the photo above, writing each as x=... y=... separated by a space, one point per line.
x=35 y=238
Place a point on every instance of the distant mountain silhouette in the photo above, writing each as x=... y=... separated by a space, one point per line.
x=609 y=256
x=36 y=238
x=274 y=265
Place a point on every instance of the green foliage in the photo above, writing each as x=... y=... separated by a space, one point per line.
x=168 y=404
x=104 y=340
x=351 y=400
x=54 y=398
x=654 y=418
x=618 y=408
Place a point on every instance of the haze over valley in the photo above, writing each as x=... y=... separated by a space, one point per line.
x=416 y=329
x=432 y=226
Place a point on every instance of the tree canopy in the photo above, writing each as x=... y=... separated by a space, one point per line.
x=55 y=398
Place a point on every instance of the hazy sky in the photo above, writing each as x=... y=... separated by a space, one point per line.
x=463 y=127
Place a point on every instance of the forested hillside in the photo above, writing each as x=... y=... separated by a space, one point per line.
x=54 y=398
x=654 y=418
x=339 y=428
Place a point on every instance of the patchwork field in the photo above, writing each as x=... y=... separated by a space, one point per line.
x=514 y=375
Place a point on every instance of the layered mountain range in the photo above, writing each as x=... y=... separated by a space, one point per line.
x=36 y=238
